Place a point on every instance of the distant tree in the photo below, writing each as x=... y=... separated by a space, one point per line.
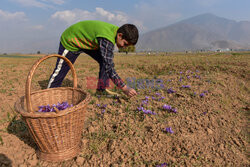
x=38 y=52
x=127 y=49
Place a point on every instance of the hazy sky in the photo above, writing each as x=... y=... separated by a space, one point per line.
x=36 y=25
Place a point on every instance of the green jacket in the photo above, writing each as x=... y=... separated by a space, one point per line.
x=84 y=34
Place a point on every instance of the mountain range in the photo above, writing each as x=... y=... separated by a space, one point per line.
x=203 y=32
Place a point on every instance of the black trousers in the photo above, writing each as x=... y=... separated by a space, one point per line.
x=62 y=67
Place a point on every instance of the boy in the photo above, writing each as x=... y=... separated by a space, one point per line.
x=97 y=39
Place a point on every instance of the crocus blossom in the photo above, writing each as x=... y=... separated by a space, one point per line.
x=169 y=108
x=169 y=130
x=186 y=86
x=162 y=165
x=161 y=98
x=166 y=107
x=170 y=90
x=59 y=106
x=145 y=111
x=202 y=95
x=149 y=112
x=157 y=94
x=103 y=111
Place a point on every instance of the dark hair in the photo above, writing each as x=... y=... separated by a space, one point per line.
x=129 y=33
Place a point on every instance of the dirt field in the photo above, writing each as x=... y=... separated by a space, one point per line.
x=207 y=125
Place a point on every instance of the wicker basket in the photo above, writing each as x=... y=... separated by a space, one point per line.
x=57 y=134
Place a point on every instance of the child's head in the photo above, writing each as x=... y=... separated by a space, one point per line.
x=129 y=33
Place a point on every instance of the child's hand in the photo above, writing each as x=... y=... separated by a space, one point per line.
x=129 y=91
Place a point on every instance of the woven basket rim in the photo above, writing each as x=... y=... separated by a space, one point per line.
x=80 y=105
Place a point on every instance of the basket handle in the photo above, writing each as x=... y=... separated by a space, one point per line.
x=28 y=81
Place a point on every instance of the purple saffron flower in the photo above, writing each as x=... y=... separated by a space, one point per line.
x=170 y=90
x=169 y=130
x=161 y=98
x=205 y=91
x=186 y=86
x=98 y=105
x=103 y=111
x=153 y=98
x=166 y=107
x=62 y=106
x=149 y=112
x=146 y=97
x=144 y=102
x=202 y=95
x=174 y=110
x=140 y=108
x=197 y=76
x=157 y=94
x=42 y=109
x=162 y=165
x=59 y=106
x=169 y=108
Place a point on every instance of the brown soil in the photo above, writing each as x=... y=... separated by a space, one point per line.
x=207 y=131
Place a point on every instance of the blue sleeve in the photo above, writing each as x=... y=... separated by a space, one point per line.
x=106 y=49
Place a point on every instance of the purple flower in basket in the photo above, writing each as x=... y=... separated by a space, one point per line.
x=59 y=106
x=46 y=108
x=62 y=106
